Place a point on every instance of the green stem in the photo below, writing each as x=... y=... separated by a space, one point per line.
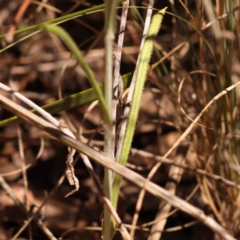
x=63 y=19
x=110 y=16
x=141 y=74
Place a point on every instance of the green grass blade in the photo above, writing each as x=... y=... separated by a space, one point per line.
x=61 y=33
x=63 y=19
x=72 y=101
x=108 y=230
x=142 y=70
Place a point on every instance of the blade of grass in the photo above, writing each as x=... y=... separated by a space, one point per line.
x=61 y=33
x=87 y=96
x=142 y=70
x=110 y=22
x=72 y=101
x=63 y=19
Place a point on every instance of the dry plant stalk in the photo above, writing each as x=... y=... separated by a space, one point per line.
x=17 y=19
x=18 y=203
x=123 y=171
x=73 y=181
x=107 y=202
x=175 y=174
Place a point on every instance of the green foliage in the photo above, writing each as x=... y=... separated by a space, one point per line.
x=74 y=49
x=141 y=74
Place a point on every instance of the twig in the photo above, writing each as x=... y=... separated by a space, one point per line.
x=173 y=211
x=113 y=212
x=15 y=171
x=196 y=170
x=11 y=194
x=133 y=177
x=175 y=174
x=211 y=15
x=133 y=82
x=17 y=19
x=15 y=237
x=117 y=81
x=107 y=202
x=25 y=182
x=60 y=124
x=31 y=104
x=187 y=131
x=47 y=232
x=21 y=152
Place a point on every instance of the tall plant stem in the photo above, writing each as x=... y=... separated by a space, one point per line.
x=110 y=15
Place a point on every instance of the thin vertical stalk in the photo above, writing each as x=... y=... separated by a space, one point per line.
x=110 y=16
x=117 y=79
x=122 y=134
x=129 y=98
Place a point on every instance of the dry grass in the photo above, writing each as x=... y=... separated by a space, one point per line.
x=187 y=135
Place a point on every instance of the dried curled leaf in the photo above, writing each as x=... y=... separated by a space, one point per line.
x=72 y=179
